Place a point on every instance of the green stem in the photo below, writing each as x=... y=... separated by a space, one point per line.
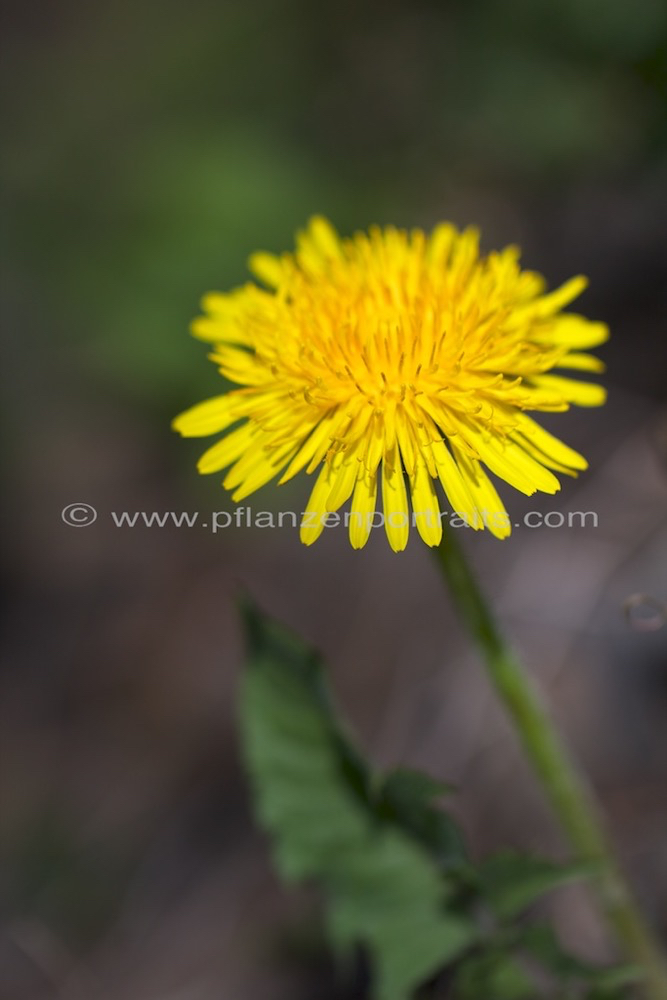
x=567 y=789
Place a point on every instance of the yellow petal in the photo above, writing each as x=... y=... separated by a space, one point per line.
x=362 y=510
x=550 y=446
x=268 y=268
x=425 y=506
x=509 y=462
x=324 y=236
x=256 y=469
x=312 y=523
x=487 y=502
x=319 y=438
x=440 y=244
x=452 y=481
x=227 y=450
x=580 y=393
x=582 y=362
x=241 y=366
x=209 y=417
x=405 y=441
x=224 y=320
x=575 y=332
x=562 y=296
x=395 y=502
x=344 y=478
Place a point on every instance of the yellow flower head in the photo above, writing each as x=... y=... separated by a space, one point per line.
x=398 y=357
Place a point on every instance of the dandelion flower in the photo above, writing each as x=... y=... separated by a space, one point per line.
x=386 y=363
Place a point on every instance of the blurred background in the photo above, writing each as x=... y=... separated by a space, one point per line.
x=149 y=148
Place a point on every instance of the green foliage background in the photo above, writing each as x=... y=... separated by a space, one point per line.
x=149 y=148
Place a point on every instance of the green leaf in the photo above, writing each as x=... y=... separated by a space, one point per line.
x=570 y=972
x=541 y=943
x=612 y=984
x=406 y=797
x=492 y=975
x=512 y=882
x=312 y=793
